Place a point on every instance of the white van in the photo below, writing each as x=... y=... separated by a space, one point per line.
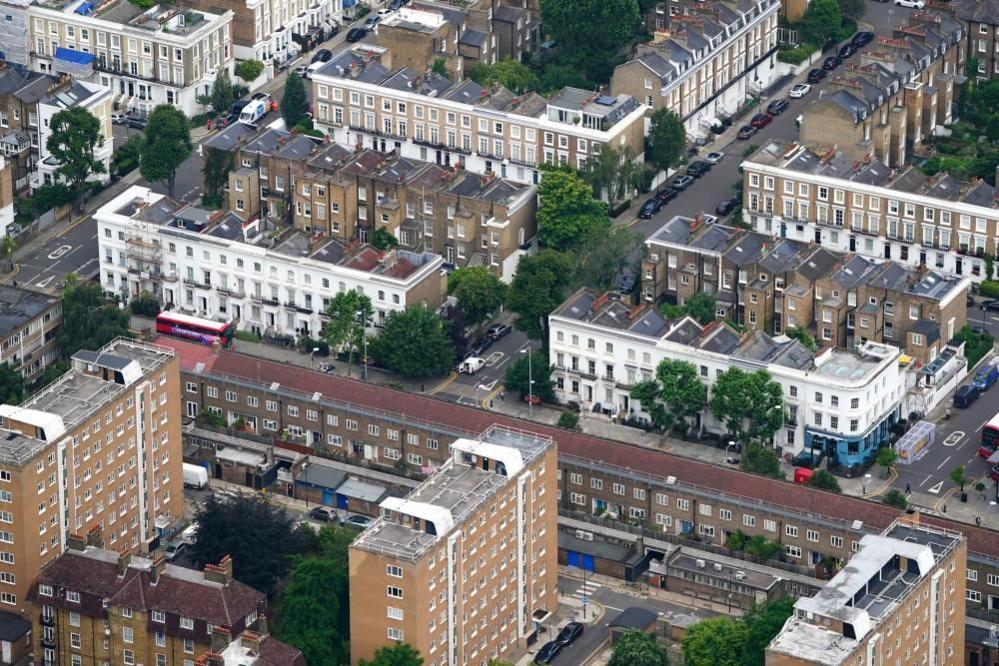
x=471 y=365
x=312 y=69
x=253 y=112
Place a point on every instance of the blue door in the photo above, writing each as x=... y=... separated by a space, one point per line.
x=572 y=559
x=579 y=560
x=341 y=501
x=588 y=562
x=328 y=497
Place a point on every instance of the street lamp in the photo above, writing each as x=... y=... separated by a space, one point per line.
x=530 y=381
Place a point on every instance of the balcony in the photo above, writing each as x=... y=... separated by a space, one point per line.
x=48 y=620
x=231 y=291
x=48 y=642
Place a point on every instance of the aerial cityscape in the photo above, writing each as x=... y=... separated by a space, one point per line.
x=499 y=332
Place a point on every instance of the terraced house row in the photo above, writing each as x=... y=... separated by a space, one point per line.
x=664 y=497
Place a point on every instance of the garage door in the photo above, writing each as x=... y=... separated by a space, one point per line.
x=579 y=560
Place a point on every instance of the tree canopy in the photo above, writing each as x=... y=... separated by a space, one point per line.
x=673 y=396
x=89 y=320
x=413 y=343
x=400 y=654
x=222 y=95
x=538 y=287
x=167 y=145
x=519 y=374
x=763 y=622
x=666 y=140
x=478 y=291
x=215 y=169
x=349 y=313
x=295 y=103
x=589 y=33
x=821 y=21
x=750 y=404
x=825 y=480
x=249 y=70
x=11 y=385
x=74 y=136
x=701 y=306
x=637 y=648
x=508 y=72
x=801 y=335
x=568 y=215
x=716 y=641
x=601 y=261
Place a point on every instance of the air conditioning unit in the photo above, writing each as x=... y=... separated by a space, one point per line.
x=718 y=566
x=700 y=564
x=740 y=575
x=584 y=535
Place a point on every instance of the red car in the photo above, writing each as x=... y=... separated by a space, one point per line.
x=761 y=120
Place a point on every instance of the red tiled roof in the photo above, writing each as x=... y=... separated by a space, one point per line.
x=793 y=497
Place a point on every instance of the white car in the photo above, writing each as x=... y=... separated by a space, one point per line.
x=800 y=90
x=915 y=4
x=714 y=158
x=118 y=118
x=383 y=12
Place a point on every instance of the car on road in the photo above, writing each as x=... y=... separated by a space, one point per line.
x=698 y=168
x=727 y=206
x=816 y=75
x=847 y=50
x=777 y=107
x=626 y=283
x=862 y=39
x=322 y=55
x=570 y=633
x=831 y=63
x=746 y=132
x=497 y=331
x=548 y=652
x=682 y=182
x=358 y=521
x=356 y=34
x=650 y=208
x=471 y=365
x=385 y=11
x=761 y=120
x=118 y=118
x=323 y=514
x=667 y=195
x=136 y=122
x=991 y=306
x=302 y=71
x=799 y=91
x=479 y=346
x=966 y=396
x=986 y=377
x=714 y=158
x=174 y=549
x=372 y=21
x=914 y=4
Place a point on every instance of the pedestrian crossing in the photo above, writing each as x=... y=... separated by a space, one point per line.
x=586 y=589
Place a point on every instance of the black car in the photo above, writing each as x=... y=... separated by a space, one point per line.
x=570 y=633
x=831 y=63
x=966 y=396
x=322 y=55
x=136 y=122
x=726 y=207
x=991 y=306
x=479 y=346
x=777 y=107
x=356 y=34
x=667 y=195
x=816 y=75
x=698 y=168
x=862 y=38
x=847 y=50
x=548 y=652
x=650 y=208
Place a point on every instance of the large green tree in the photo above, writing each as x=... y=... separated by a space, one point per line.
x=589 y=33
x=400 y=654
x=821 y=21
x=637 y=648
x=350 y=314
x=74 y=137
x=674 y=396
x=568 y=215
x=666 y=140
x=763 y=622
x=519 y=375
x=601 y=261
x=718 y=641
x=11 y=385
x=538 y=288
x=702 y=307
x=750 y=404
x=312 y=610
x=215 y=168
x=508 y=72
x=614 y=174
x=478 y=291
x=761 y=459
x=89 y=320
x=167 y=145
x=413 y=343
x=295 y=103
x=852 y=9
x=222 y=95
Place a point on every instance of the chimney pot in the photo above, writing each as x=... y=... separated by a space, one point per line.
x=159 y=563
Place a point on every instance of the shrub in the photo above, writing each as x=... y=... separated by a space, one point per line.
x=145 y=305
x=308 y=344
x=569 y=421
x=249 y=70
x=750 y=149
x=247 y=336
x=896 y=499
x=796 y=55
x=989 y=288
x=976 y=345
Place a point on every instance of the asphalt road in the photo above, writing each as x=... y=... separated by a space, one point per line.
x=472 y=389
x=72 y=250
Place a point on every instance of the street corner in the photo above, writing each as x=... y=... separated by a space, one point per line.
x=447 y=381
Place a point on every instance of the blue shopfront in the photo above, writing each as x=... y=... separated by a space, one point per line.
x=850 y=455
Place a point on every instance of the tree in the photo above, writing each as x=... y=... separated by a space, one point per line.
x=127 y=157
x=637 y=648
x=736 y=540
x=589 y=33
x=885 y=459
x=674 y=396
x=762 y=547
x=519 y=374
x=801 y=335
x=852 y=9
x=414 y=343
x=400 y=654
x=222 y=95
x=236 y=527
x=666 y=141
x=613 y=174
x=7 y=248
x=74 y=136
x=750 y=404
x=826 y=481
x=601 y=261
x=167 y=145
x=568 y=215
x=249 y=70
x=895 y=498
x=718 y=641
x=568 y=420
x=11 y=385
x=215 y=174
x=701 y=306
x=382 y=240
x=763 y=622
x=294 y=104
x=538 y=288
x=89 y=321
x=349 y=314
x=821 y=22
x=478 y=291
x=760 y=459
x=455 y=321
x=958 y=476
x=439 y=67
x=508 y=73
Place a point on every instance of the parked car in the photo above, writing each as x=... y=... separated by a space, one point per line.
x=384 y=11
x=714 y=158
x=136 y=122
x=746 y=132
x=777 y=107
x=799 y=91
x=626 y=283
x=323 y=514
x=862 y=39
x=356 y=34
x=991 y=306
x=682 y=182
x=358 y=521
x=816 y=75
x=914 y=4
x=570 y=633
x=698 y=168
x=471 y=365
x=118 y=118
x=761 y=120
x=479 y=346
x=497 y=331
x=650 y=208
x=966 y=396
x=372 y=21
x=548 y=652
x=986 y=377
x=173 y=549
x=847 y=50
x=667 y=195
x=726 y=207
x=831 y=63
x=322 y=55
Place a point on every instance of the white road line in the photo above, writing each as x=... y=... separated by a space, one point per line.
x=928 y=477
x=613 y=608
x=944 y=462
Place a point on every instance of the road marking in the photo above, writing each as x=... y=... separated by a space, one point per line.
x=613 y=608
x=928 y=477
x=59 y=251
x=936 y=488
x=494 y=358
x=954 y=438
x=944 y=462
x=44 y=283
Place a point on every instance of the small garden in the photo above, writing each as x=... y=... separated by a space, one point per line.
x=826 y=23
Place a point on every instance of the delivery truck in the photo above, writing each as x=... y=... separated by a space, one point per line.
x=195 y=476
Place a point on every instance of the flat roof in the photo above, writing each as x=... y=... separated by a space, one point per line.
x=19 y=306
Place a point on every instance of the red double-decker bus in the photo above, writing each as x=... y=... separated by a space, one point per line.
x=205 y=331
x=990 y=436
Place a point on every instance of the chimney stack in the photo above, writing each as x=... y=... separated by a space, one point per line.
x=76 y=542
x=220 y=573
x=95 y=537
x=252 y=640
x=124 y=559
x=159 y=563
x=220 y=639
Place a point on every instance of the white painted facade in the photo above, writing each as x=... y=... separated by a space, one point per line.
x=274 y=21
x=98 y=103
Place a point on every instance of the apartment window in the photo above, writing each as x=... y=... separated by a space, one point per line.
x=791 y=530
x=395 y=634
x=393 y=570
x=394 y=613
x=812 y=535
x=792 y=551
x=683 y=505
x=971 y=574
x=127 y=635
x=748 y=520
x=394 y=592
x=972 y=595
x=836 y=541
x=73 y=597
x=158 y=616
